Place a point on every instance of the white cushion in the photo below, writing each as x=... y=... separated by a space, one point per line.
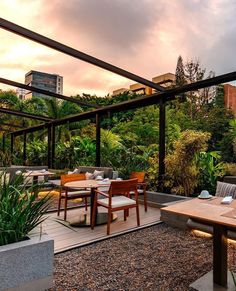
x=76 y=193
x=140 y=191
x=89 y=176
x=98 y=173
x=117 y=201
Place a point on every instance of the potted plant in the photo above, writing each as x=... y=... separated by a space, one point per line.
x=26 y=259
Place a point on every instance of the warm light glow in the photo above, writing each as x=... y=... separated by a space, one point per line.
x=137 y=41
x=231 y=241
x=201 y=233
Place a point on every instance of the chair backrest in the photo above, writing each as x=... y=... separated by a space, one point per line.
x=72 y=177
x=123 y=187
x=139 y=175
x=225 y=189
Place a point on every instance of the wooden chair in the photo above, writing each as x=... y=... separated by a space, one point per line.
x=117 y=199
x=142 y=185
x=71 y=194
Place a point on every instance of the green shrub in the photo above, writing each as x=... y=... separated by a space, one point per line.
x=20 y=210
x=181 y=167
x=230 y=169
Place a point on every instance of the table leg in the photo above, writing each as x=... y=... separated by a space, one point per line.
x=220 y=255
x=85 y=219
x=92 y=204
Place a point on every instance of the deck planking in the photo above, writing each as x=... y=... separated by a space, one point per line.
x=67 y=238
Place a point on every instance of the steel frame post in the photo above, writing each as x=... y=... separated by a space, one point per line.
x=98 y=141
x=162 y=150
x=3 y=142
x=24 y=148
x=53 y=146
x=49 y=146
x=12 y=146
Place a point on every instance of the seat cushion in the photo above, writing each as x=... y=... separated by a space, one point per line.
x=140 y=191
x=108 y=172
x=117 y=201
x=225 y=189
x=76 y=193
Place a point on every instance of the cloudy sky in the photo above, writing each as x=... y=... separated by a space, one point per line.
x=142 y=36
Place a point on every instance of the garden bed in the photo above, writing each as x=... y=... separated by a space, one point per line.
x=155 y=258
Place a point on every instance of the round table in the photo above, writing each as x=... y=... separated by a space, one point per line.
x=85 y=219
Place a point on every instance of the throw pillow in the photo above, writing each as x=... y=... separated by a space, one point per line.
x=98 y=173
x=75 y=171
x=225 y=189
x=89 y=176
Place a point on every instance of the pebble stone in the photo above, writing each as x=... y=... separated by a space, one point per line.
x=158 y=258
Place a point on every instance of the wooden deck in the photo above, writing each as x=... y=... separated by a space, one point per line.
x=66 y=238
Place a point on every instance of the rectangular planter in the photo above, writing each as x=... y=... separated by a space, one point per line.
x=27 y=265
x=159 y=200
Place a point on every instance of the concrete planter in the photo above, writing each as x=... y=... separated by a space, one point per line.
x=27 y=265
x=159 y=200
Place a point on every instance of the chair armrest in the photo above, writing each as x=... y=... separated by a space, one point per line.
x=101 y=193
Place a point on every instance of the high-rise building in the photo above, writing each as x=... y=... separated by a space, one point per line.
x=45 y=81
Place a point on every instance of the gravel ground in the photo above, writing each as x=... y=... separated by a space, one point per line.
x=156 y=258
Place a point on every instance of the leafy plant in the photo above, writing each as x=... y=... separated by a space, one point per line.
x=210 y=169
x=181 y=168
x=20 y=210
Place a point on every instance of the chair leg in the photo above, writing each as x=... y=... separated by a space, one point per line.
x=86 y=203
x=145 y=200
x=65 y=210
x=109 y=221
x=125 y=215
x=59 y=206
x=137 y=214
x=94 y=213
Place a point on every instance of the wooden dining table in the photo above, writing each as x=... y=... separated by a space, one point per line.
x=223 y=218
x=85 y=219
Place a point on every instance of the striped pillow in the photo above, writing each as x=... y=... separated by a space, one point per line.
x=225 y=189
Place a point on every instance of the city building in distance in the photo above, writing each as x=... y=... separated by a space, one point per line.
x=165 y=80
x=20 y=93
x=45 y=81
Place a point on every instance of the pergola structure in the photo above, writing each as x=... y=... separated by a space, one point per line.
x=161 y=97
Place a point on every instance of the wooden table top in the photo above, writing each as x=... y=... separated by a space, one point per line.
x=87 y=184
x=209 y=210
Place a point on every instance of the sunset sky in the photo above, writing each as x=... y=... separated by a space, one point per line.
x=142 y=36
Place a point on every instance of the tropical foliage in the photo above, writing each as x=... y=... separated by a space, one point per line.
x=200 y=135
x=20 y=210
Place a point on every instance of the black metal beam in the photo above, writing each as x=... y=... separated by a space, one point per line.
x=168 y=95
x=45 y=92
x=49 y=145
x=98 y=141
x=25 y=114
x=12 y=145
x=53 y=146
x=14 y=28
x=3 y=142
x=162 y=146
x=24 y=147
